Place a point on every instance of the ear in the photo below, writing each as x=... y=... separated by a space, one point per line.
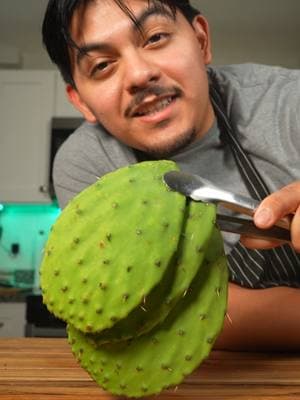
x=75 y=98
x=201 y=28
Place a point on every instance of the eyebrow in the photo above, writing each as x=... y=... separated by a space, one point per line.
x=87 y=48
x=148 y=12
x=138 y=22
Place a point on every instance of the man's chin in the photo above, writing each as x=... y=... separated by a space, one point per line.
x=166 y=150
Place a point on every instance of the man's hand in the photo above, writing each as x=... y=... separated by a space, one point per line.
x=285 y=201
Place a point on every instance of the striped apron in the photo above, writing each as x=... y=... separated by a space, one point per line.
x=253 y=268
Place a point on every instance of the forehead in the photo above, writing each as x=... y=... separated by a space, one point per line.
x=110 y=15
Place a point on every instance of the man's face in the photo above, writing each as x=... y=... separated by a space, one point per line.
x=148 y=89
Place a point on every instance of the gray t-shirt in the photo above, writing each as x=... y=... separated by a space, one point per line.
x=263 y=105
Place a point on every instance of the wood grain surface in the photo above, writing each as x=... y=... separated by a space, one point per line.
x=45 y=369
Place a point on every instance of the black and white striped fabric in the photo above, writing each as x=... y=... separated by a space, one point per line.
x=253 y=268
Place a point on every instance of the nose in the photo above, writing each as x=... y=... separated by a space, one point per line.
x=139 y=72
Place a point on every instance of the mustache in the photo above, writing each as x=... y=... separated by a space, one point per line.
x=156 y=90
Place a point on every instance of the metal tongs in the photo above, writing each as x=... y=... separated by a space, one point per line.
x=200 y=189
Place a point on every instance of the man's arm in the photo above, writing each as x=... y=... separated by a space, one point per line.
x=261 y=320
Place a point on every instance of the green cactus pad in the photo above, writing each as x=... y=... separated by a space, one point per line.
x=164 y=356
x=194 y=239
x=111 y=246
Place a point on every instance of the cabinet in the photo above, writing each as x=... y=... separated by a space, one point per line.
x=26 y=108
x=28 y=102
x=12 y=319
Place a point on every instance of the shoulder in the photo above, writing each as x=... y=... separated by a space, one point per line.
x=263 y=103
x=77 y=144
x=77 y=154
x=86 y=155
x=250 y=90
x=251 y=75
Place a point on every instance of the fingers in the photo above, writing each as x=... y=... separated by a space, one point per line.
x=284 y=202
x=295 y=230
x=279 y=204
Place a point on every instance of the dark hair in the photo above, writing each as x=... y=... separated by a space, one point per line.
x=56 y=24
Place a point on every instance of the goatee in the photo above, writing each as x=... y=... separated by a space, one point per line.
x=170 y=149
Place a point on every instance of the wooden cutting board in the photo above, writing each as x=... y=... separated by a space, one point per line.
x=45 y=369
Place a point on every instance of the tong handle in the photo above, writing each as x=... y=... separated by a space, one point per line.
x=247 y=206
x=247 y=227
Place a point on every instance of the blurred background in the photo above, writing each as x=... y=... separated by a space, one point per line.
x=265 y=31
x=35 y=118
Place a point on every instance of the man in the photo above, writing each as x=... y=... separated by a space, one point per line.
x=139 y=73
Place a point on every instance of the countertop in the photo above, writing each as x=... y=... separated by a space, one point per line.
x=45 y=369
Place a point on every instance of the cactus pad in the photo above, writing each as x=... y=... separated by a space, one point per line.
x=168 y=353
x=194 y=239
x=111 y=246
x=139 y=274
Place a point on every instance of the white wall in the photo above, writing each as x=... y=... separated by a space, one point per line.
x=264 y=31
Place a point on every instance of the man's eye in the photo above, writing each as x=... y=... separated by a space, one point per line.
x=100 y=67
x=158 y=37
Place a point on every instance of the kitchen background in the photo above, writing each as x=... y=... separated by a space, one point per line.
x=35 y=117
